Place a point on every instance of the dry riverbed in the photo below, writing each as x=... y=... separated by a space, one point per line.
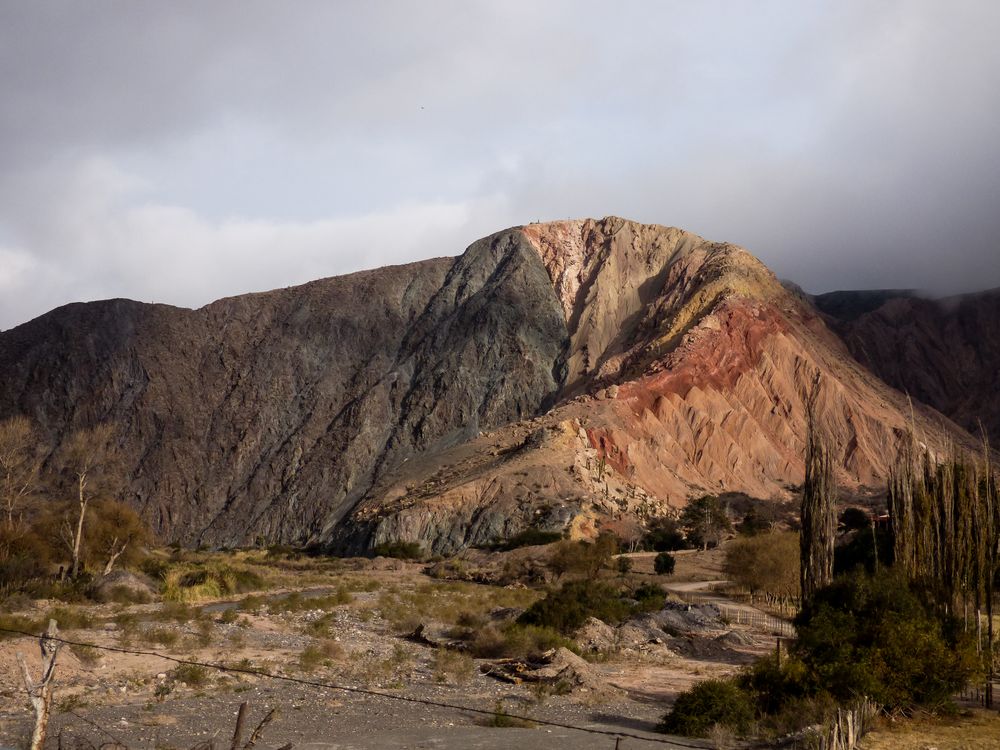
x=349 y=627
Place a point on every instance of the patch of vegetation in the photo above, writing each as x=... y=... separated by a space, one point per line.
x=70 y=618
x=705 y=522
x=527 y=538
x=161 y=636
x=503 y=720
x=664 y=564
x=860 y=549
x=878 y=636
x=452 y=666
x=514 y=641
x=186 y=583
x=665 y=535
x=193 y=675
x=88 y=656
x=579 y=558
x=20 y=623
x=297 y=602
x=124 y=595
x=317 y=654
x=765 y=564
x=710 y=703
x=445 y=602
x=401 y=550
x=568 y=607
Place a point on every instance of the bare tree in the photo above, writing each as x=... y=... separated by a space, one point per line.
x=40 y=692
x=89 y=460
x=20 y=461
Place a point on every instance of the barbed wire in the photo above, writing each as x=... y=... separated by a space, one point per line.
x=350 y=689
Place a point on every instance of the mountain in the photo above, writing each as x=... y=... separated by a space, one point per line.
x=557 y=375
x=943 y=352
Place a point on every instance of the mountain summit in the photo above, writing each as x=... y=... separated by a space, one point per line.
x=559 y=375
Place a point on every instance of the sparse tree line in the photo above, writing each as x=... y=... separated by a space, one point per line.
x=884 y=612
x=60 y=517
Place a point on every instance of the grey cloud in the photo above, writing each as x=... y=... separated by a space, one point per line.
x=848 y=144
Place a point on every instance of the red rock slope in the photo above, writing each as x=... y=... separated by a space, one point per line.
x=686 y=371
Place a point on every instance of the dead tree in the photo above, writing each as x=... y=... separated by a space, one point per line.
x=819 y=519
x=40 y=693
x=88 y=460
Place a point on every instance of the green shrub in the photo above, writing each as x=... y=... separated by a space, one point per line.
x=649 y=598
x=515 y=641
x=708 y=704
x=624 y=565
x=193 y=675
x=528 y=538
x=401 y=550
x=583 y=558
x=665 y=535
x=664 y=564
x=860 y=551
x=567 y=608
x=876 y=636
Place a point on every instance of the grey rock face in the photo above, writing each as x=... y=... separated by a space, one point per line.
x=269 y=415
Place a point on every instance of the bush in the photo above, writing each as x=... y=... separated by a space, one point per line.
x=767 y=563
x=859 y=551
x=706 y=705
x=193 y=675
x=665 y=535
x=649 y=598
x=516 y=641
x=876 y=636
x=567 y=608
x=583 y=558
x=184 y=583
x=528 y=538
x=664 y=564
x=401 y=550
x=624 y=565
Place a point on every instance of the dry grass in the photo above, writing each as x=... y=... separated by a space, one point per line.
x=973 y=730
x=449 y=603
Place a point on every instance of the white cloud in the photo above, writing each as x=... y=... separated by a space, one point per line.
x=96 y=238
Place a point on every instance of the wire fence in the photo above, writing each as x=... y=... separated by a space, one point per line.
x=321 y=684
x=741 y=615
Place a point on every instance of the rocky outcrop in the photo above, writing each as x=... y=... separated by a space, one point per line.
x=562 y=376
x=687 y=371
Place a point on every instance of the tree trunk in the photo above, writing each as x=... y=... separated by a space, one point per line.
x=41 y=693
x=115 y=554
x=81 y=486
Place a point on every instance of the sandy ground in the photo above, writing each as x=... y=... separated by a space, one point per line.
x=139 y=701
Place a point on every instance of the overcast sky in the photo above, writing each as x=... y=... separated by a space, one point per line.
x=184 y=151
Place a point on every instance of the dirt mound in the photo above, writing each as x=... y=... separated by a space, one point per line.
x=735 y=638
x=135 y=587
x=596 y=636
